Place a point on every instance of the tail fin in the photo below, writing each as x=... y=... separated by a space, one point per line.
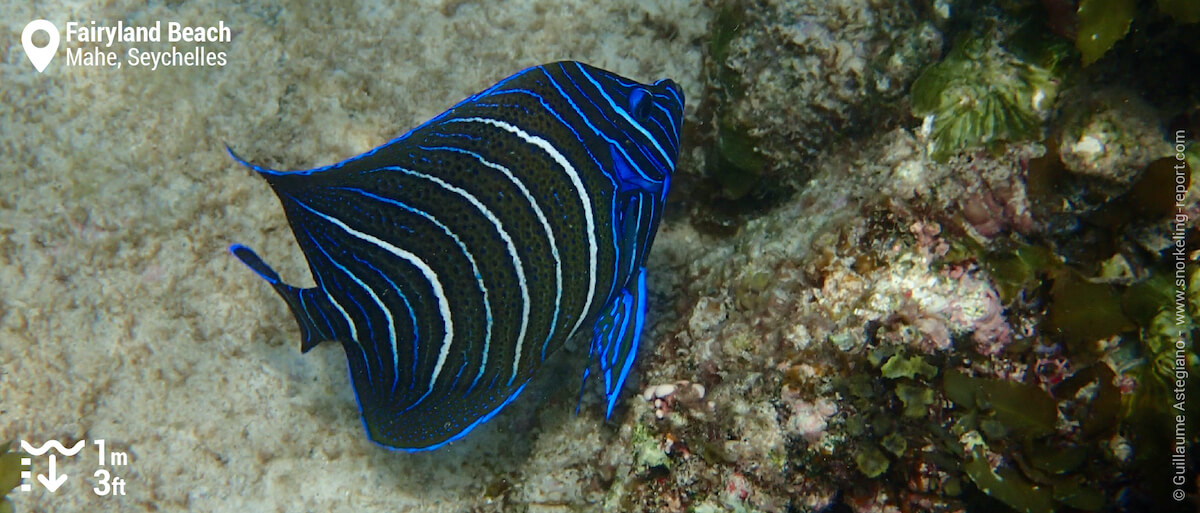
x=302 y=302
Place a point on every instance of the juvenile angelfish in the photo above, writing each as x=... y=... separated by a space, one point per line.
x=453 y=260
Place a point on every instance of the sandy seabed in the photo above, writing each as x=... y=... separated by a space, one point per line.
x=124 y=318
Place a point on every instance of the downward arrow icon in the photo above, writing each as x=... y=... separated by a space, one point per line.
x=53 y=482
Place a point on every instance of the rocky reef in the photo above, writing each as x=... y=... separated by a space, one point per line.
x=783 y=80
x=979 y=307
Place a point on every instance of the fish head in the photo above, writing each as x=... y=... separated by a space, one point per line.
x=647 y=119
x=665 y=118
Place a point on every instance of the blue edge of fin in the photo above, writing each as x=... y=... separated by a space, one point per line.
x=615 y=341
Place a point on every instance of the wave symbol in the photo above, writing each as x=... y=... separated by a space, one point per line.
x=52 y=444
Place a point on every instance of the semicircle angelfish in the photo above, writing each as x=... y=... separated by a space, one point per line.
x=453 y=260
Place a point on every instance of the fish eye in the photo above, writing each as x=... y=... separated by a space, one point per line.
x=639 y=104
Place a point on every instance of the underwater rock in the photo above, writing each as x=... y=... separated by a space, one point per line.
x=983 y=194
x=903 y=315
x=786 y=78
x=1109 y=137
x=809 y=419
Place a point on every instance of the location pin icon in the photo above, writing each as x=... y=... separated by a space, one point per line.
x=40 y=57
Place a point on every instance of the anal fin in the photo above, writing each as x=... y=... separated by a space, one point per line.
x=616 y=337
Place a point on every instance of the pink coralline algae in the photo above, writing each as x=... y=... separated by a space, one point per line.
x=992 y=331
x=809 y=419
x=737 y=489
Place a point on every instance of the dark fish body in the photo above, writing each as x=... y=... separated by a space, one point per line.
x=453 y=260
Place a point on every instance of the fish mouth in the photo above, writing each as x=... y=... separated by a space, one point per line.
x=669 y=87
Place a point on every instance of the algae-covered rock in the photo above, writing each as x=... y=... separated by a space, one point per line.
x=1109 y=137
x=911 y=50
x=646 y=451
x=786 y=78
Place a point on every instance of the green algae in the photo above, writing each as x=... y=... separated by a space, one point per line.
x=1042 y=470
x=1008 y=486
x=1019 y=407
x=498 y=489
x=993 y=429
x=647 y=453
x=1182 y=11
x=1152 y=196
x=726 y=24
x=10 y=475
x=980 y=95
x=871 y=461
x=1101 y=409
x=1021 y=493
x=1075 y=494
x=1082 y=312
x=1048 y=460
x=900 y=367
x=916 y=398
x=1048 y=471
x=733 y=163
x=1144 y=300
x=1101 y=24
x=1019 y=269
x=748 y=292
x=895 y=444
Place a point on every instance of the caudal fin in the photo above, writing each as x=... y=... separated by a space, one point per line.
x=303 y=302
